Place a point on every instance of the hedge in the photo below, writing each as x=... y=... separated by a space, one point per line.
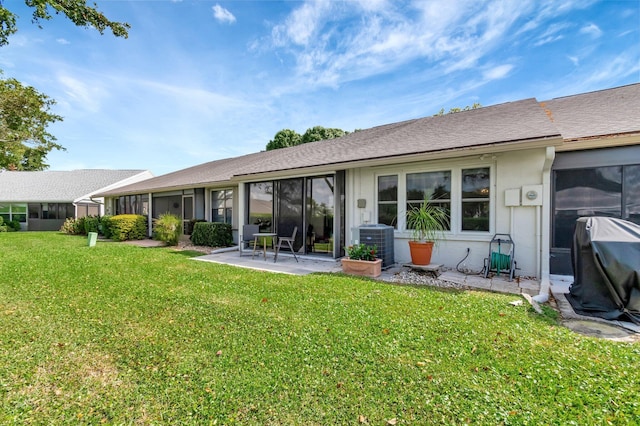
x=212 y=234
x=125 y=227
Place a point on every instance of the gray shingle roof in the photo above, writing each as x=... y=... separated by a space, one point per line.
x=513 y=122
x=602 y=113
x=57 y=186
x=509 y=123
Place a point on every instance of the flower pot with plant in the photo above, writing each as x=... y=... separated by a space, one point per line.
x=362 y=261
x=427 y=221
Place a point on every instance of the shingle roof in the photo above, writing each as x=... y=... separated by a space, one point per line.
x=513 y=122
x=57 y=186
x=602 y=113
x=509 y=123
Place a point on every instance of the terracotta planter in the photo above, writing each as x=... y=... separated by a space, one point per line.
x=365 y=268
x=421 y=252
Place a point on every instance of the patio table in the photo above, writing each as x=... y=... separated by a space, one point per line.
x=264 y=236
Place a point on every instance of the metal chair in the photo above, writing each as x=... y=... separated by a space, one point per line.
x=289 y=240
x=247 y=236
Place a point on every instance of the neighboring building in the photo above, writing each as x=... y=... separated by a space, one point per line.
x=42 y=200
x=494 y=168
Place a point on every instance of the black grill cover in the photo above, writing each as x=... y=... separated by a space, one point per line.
x=606 y=268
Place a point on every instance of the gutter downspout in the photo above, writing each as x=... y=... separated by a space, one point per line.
x=545 y=226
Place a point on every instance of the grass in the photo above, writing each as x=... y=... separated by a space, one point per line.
x=122 y=334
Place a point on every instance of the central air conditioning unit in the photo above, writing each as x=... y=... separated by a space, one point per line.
x=380 y=236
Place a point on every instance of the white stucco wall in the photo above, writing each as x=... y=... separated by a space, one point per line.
x=509 y=170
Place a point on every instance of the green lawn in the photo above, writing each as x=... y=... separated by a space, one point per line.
x=122 y=334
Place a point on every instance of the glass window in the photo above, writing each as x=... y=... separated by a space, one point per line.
x=320 y=212
x=5 y=212
x=584 y=192
x=45 y=210
x=34 y=211
x=222 y=206
x=145 y=204
x=388 y=200
x=433 y=185
x=71 y=211
x=62 y=211
x=475 y=199
x=52 y=211
x=632 y=193
x=19 y=212
x=132 y=204
x=261 y=205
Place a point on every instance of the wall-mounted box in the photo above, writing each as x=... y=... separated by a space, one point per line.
x=512 y=197
x=532 y=195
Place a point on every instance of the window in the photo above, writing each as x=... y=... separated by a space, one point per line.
x=475 y=199
x=19 y=212
x=612 y=191
x=388 y=200
x=5 y=212
x=631 y=191
x=464 y=193
x=433 y=185
x=222 y=206
x=261 y=205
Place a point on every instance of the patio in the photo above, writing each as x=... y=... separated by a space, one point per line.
x=286 y=264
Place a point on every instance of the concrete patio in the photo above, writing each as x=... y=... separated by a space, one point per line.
x=286 y=264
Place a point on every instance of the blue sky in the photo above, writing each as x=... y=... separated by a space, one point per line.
x=202 y=80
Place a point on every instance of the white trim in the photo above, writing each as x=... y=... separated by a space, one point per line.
x=456 y=233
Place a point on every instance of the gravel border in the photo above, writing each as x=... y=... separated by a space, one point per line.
x=423 y=278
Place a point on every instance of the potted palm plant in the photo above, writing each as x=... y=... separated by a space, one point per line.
x=362 y=261
x=428 y=222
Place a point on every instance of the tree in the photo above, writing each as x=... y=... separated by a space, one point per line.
x=319 y=133
x=76 y=10
x=286 y=138
x=283 y=139
x=476 y=105
x=24 y=117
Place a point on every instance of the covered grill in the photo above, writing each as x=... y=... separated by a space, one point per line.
x=606 y=267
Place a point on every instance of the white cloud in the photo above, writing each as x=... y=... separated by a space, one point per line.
x=82 y=94
x=551 y=34
x=223 y=15
x=302 y=24
x=333 y=42
x=592 y=30
x=498 y=72
x=63 y=41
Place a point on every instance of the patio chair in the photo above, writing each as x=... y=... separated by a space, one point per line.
x=247 y=236
x=289 y=240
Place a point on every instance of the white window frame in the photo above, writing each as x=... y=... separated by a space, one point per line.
x=456 y=231
x=229 y=202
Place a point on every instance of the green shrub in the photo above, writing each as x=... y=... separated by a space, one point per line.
x=212 y=234
x=105 y=226
x=3 y=227
x=362 y=252
x=191 y=224
x=80 y=225
x=126 y=227
x=91 y=224
x=13 y=225
x=70 y=226
x=167 y=228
